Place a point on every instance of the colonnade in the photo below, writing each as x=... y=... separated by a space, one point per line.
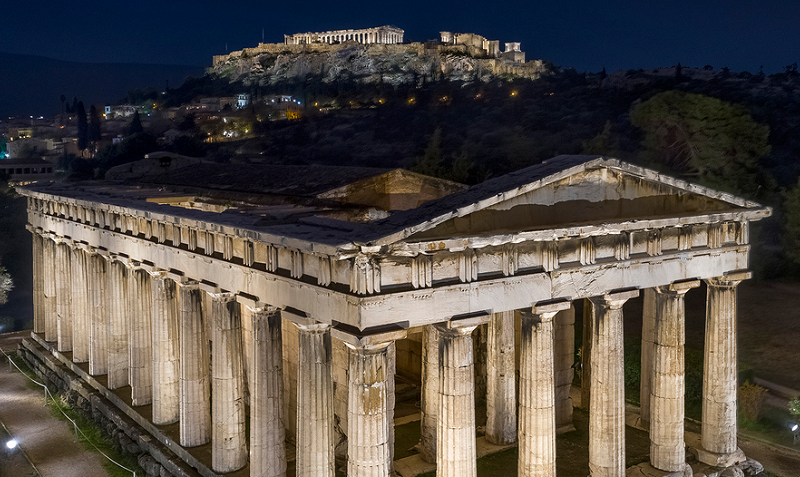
x=147 y=328
x=366 y=36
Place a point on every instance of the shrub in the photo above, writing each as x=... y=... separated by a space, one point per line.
x=751 y=399
x=794 y=406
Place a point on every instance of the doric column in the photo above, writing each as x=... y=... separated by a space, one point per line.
x=564 y=349
x=667 y=448
x=314 y=401
x=370 y=404
x=98 y=315
x=140 y=336
x=49 y=267
x=607 y=397
x=38 y=283
x=455 y=450
x=718 y=436
x=267 y=432
x=501 y=395
x=537 y=411
x=228 y=442
x=117 y=307
x=586 y=353
x=429 y=397
x=64 y=295
x=195 y=390
x=166 y=353
x=80 y=310
x=648 y=346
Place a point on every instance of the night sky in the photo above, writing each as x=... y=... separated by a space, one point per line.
x=584 y=34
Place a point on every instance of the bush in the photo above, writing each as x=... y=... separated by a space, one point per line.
x=794 y=406
x=751 y=400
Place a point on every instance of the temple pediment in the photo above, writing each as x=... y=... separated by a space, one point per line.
x=568 y=192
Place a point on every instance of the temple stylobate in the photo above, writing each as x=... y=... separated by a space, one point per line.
x=299 y=306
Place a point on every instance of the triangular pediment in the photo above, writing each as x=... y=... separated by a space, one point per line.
x=566 y=191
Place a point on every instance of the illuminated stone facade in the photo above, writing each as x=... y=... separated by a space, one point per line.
x=387 y=35
x=313 y=306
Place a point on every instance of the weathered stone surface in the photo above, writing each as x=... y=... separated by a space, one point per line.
x=118 y=347
x=429 y=401
x=195 y=385
x=501 y=396
x=140 y=337
x=166 y=350
x=97 y=281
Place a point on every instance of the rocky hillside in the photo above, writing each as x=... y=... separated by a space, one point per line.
x=374 y=63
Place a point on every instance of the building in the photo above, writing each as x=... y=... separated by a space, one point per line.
x=24 y=171
x=388 y=35
x=316 y=284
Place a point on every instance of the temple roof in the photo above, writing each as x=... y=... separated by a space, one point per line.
x=563 y=196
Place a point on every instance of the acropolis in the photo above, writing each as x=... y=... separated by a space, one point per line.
x=388 y=35
x=194 y=306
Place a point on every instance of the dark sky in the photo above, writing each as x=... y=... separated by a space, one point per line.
x=585 y=34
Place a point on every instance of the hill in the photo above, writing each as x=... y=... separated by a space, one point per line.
x=32 y=85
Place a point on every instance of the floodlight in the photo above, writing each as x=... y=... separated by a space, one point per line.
x=11 y=443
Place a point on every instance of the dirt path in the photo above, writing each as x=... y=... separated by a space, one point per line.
x=50 y=444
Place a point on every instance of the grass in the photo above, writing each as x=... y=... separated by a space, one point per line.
x=93 y=439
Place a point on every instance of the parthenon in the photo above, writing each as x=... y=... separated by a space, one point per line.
x=297 y=306
x=388 y=35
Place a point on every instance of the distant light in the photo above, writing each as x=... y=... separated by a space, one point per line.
x=11 y=444
x=794 y=427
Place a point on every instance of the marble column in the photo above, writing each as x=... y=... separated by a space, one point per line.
x=607 y=398
x=537 y=410
x=429 y=397
x=501 y=394
x=586 y=353
x=648 y=348
x=667 y=447
x=564 y=349
x=117 y=308
x=228 y=442
x=314 y=402
x=455 y=450
x=63 y=273
x=98 y=315
x=80 y=310
x=195 y=390
x=718 y=435
x=140 y=336
x=166 y=352
x=38 y=283
x=369 y=436
x=267 y=432
x=49 y=268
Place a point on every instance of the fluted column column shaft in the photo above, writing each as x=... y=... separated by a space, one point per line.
x=63 y=273
x=140 y=337
x=38 y=284
x=314 y=402
x=667 y=448
x=501 y=394
x=166 y=352
x=267 y=432
x=645 y=384
x=537 y=409
x=49 y=267
x=369 y=439
x=429 y=397
x=228 y=442
x=80 y=309
x=98 y=314
x=117 y=308
x=195 y=385
x=455 y=451
x=607 y=397
x=718 y=433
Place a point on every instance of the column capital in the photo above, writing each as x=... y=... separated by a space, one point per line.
x=447 y=329
x=547 y=309
x=158 y=273
x=224 y=297
x=188 y=284
x=677 y=288
x=368 y=339
x=312 y=327
x=614 y=299
x=730 y=279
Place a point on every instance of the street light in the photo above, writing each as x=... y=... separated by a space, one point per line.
x=11 y=444
x=795 y=428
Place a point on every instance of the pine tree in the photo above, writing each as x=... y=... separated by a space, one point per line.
x=83 y=127
x=136 y=125
x=94 y=126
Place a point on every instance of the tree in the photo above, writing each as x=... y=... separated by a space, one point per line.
x=430 y=163
x=83 y=127
x=95 y=133
x=6 y=285
x=706 y=139
x=63 y=101
x=136 y=125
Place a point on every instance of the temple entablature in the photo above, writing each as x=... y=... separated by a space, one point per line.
x=388 y=35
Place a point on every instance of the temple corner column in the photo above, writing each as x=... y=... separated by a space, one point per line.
x=719 y=445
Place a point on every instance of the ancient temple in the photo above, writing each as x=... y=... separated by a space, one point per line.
x=386 y=34
x=302 y=302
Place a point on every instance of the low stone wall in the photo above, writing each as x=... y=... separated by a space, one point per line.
x=129 y=437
